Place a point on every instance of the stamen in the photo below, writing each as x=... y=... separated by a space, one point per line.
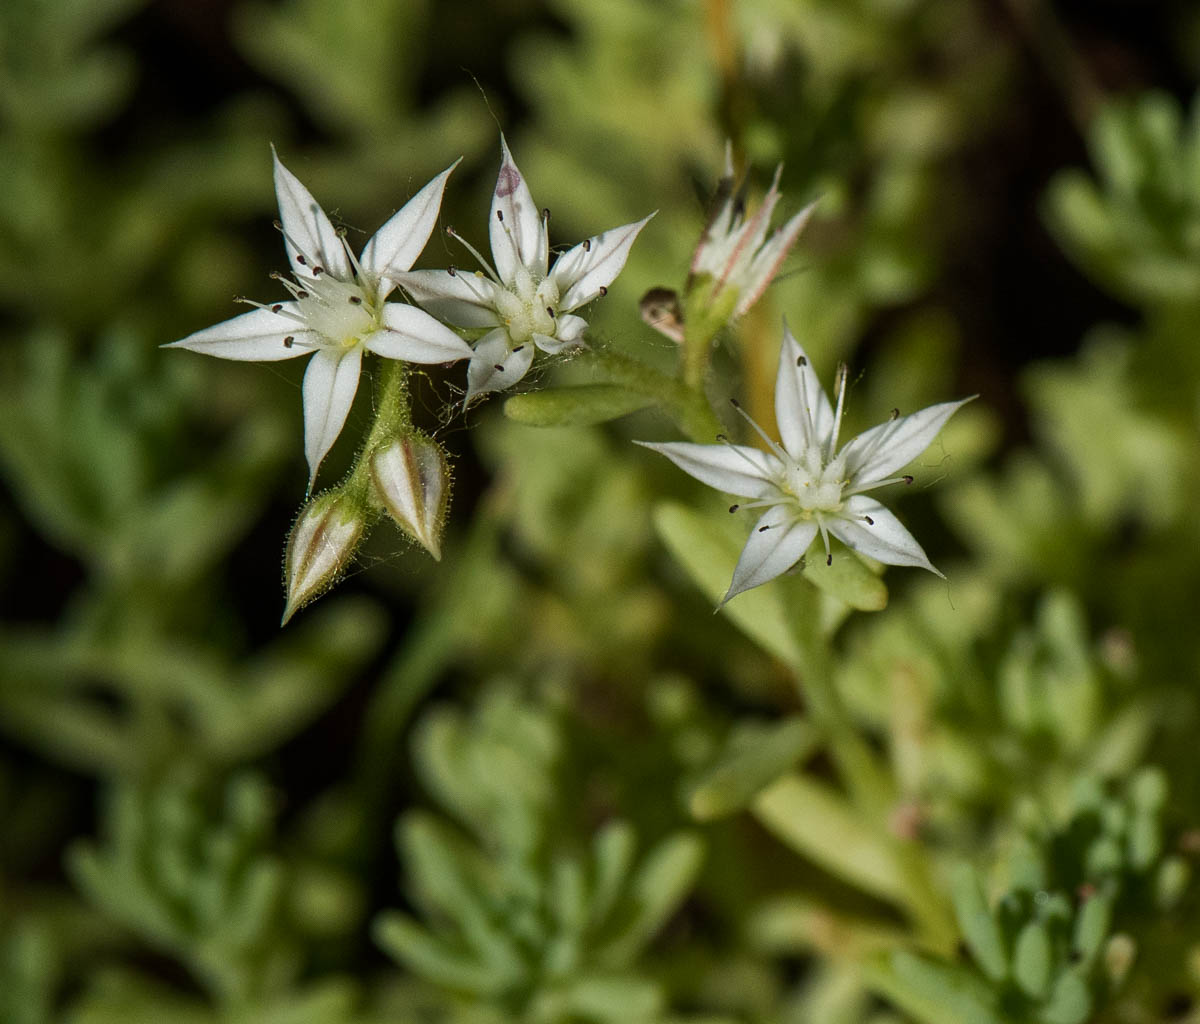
x=776 y=450
x=587 y=245
x=825 y=538
x=498 y=366
x=603 y=290
x=355 y=300
x=475 y=252
x=550 y=312
x=517 y=349
x=452 y=271
x=758 y=470
x=546 y=214
x=802 y=361
x=318 y=270
x=842 y=373
x=301 y=260
x=277 y=309
x=868 y=520
x=907 y=479
x=500 y=216
x=289 y=341
x=733 y=508
x=764 y=529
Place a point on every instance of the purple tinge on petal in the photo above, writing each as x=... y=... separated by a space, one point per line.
x=508 y=181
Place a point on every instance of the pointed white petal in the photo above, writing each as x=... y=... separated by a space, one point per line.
x=460 y=298
x=885 y=538
x=307 y=231
x=413 y=335
x=766 y=262
x=802 y=411
x=329 y=386
x=396 y=246
x=732 y=468
x=775 y=545
x=553 y=346
x=516 y=227
x=258 y=336
x=582 y=272
x=494 y=367
x=877 y=453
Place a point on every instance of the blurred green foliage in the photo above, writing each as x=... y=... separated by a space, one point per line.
x=849 y=798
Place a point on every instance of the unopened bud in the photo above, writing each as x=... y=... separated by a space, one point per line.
x=321 y=544
x=412 y=480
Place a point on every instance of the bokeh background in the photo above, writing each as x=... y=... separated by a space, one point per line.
x=540 y=781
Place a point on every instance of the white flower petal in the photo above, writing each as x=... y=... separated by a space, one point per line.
x=306 y=229
x=732 y=468
x=460 y=298
x=775 y=545
x=259 y=336
x=877 y=453
x=516 y=228
x=329 y=386
x=582 y=272
x=413 y=335
x=885 y=538
x=570 y=327
x=396 y=246
x=494 y=367
x=802 y=411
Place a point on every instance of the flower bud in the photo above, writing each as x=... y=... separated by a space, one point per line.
x=320 y=546
x=412 y=481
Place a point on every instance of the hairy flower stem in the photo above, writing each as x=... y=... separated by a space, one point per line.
x=686 y=405
x=392 y=417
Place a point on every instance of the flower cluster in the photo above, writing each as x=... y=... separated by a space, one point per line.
x=339 y=304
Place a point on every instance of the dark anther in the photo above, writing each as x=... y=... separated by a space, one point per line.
x=829 y=559
x=735 y=403
x=287 y=342
x=452 y=270
x=517 y=349
x=603 y=289
x=722 y=438
x=301 y=260
x=907 y=479
x=302 y=295
x=587 y=245
x=500 y=216
x=764 y=529
x=278 y=224
x=277 y=307
x=550 y=310
x=546 y=214
x=895 y=414
x=498 y=366
x=341 y=232
x=733 y=508
x=356 y=300
x=802 y=361
x=318 y=270
x=275 y=275
x=870 y=521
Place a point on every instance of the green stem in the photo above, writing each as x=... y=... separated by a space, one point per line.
x=392 y=417
x=687 y=406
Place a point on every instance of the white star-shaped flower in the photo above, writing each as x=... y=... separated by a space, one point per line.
x=526 y=303
x=806 y=485
x=338 y=307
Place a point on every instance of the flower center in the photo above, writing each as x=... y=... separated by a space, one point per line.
x=528 y=307
x=340 y=311
x=812 y=485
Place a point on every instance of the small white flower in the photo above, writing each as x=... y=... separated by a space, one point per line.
x=338 y=307
x=526 y=303
x=735 y=253
x=807 y=485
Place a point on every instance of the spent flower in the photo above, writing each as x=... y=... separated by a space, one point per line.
x=805 y=484
x=521 y=302
x=338 y=307
x=735 y=260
